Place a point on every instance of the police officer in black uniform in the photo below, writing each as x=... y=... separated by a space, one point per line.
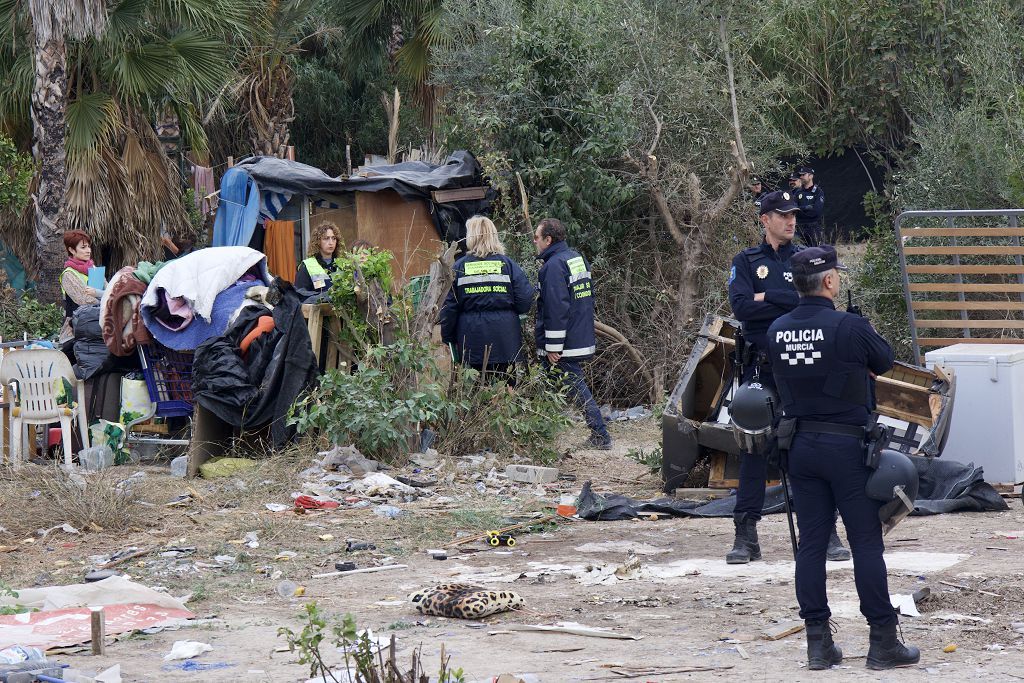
x=811 y=200
x=757 y=191
x=761 y=290
x=823 y=361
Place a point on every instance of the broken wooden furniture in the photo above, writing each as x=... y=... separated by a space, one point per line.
x=917 y=402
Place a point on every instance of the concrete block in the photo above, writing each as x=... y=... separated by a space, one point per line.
x=531 y=474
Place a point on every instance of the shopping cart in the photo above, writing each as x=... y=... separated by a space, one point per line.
x=168 y=376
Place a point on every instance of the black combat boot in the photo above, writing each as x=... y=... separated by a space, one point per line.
x=745 y=548
x=821 y=651
x=887 y=652
x=836 y=552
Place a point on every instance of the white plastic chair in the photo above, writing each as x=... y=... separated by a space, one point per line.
x=34 y=399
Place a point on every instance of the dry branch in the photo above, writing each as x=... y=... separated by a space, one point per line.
x=441 y=277
x=610 y=332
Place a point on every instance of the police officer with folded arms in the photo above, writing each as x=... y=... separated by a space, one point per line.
x=761 y=290
x=823 y=361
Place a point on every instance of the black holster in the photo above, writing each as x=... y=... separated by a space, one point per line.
x=784 y=434
x=876 y=438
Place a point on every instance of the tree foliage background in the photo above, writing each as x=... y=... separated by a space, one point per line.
x=615 y=115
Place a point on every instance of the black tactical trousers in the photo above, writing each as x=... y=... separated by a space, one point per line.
x=828 y=471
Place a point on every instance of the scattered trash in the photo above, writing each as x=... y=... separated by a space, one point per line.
x=16 y=654
x=516 y=678
x=566 y=505
x=326 y=537
x=949 y=648
x=345 y=566
x=111 y=675
x=496 y=538
x=353 y=546
x=569 y=627
x=66 y=528
x=179 y=467
x=634 y=413
x=285 y=555
x=905 y=605
x=437 y=554
x=196 y=666
x=532 y=474
x=366 y=570
x=96 y=458
x=428 y=459
x=278 y=507
x=380 y=484
x=99 y=575
x=290 y=589
x=251 y=541
x=226 y=560
x=310 y=503
x=187 y=649
x=995 y=647
x=388 y=511
x=782 y=630
x=463 y=601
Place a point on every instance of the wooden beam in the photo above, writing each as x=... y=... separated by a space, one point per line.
x=966 y=270
x=961 y=232
x=968 y=305
x=960 y=287
x=459 y=195
x=949 y=341
x=964 y=251
x=981 y=324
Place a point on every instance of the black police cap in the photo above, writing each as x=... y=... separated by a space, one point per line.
x=780 y=201
x=815 y=260
x=800 y=170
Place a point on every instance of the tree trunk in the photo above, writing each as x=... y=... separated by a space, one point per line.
x=49 y=110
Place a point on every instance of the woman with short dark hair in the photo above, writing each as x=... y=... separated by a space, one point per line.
x=74 y=279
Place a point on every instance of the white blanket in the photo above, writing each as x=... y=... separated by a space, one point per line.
x=200 y=276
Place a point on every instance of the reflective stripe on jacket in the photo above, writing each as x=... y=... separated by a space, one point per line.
x=565 y=306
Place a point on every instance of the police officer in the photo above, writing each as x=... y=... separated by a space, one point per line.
x=794 y=183
x=811 y=200
x=565 y=320
x=480 y=315
x=823 y=361
x=757 y=191
x=761 y=290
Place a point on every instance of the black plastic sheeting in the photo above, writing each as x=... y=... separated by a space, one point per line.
x=259 y=389
x=412 y=180
x=946 y=486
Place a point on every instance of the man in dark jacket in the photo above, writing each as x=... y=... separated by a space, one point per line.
x=565 y=320
x=811 y=200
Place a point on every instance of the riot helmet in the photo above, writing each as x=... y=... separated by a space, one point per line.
x=895 y=483
x=752 y=415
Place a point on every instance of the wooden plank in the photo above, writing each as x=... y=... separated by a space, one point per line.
x=968 y=305
x=786 y=628
x=961 y=232
x=963 y=251
x=959 y=287
x=966 y=270
x=980 y=324
x=949 y=341
x=387 y=221
x=459 y=195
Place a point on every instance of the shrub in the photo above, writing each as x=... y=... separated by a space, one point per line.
x=27 y=315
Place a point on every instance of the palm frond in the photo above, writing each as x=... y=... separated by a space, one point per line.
x=16 y=88
x=144 y=68
x=126 y=18
x=92 y=122
x=201 y=60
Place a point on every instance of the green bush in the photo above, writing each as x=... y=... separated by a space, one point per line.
x=27 y=315
x=524 y=419
x=378 y=407
x=16 y=175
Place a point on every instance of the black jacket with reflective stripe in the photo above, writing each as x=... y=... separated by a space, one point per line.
x=565 y=305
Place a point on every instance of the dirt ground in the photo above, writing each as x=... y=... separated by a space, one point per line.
x=676 y=596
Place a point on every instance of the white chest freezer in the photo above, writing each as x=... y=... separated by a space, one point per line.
x=988 y=413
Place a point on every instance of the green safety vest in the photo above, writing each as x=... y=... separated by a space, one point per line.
x=317 y=273
x=69 y=305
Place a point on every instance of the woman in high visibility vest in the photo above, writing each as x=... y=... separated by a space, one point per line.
x=74 y=288
x=314 y=273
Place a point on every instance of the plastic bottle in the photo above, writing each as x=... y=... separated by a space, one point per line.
x=566 y=505
x=179 y=466
x=20 y=653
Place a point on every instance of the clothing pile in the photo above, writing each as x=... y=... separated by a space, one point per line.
x=250 y=375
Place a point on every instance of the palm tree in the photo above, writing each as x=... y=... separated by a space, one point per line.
x=101 y=166
x=53 y=21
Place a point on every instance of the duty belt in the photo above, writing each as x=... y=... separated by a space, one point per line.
x=829 y=428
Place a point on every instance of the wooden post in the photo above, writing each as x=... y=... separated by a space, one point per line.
x=231 y=162
x=98 y=624
x=291 y=152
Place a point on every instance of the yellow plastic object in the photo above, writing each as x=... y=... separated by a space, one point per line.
x=225 y=467
x=949 y=648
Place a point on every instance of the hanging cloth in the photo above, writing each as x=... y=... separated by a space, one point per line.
x=202 y=183
x=238 y=209
x=279 y=246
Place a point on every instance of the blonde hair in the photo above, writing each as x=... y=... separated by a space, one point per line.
x=317 y=233
x=482 y=237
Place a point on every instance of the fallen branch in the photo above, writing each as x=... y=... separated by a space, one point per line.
x=621 y=675
x=610 y=332
x=526 y=202
x=366 y=570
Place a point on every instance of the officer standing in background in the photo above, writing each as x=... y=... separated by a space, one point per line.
x=761 y=290
x=794 y=183
x=823 y=361
x=811 y=200
x=756 y=191
x=565 y=320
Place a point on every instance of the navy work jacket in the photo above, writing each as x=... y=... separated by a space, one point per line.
x=565 y=305
x=820 y=359
x=482 y=309
x=762 y=269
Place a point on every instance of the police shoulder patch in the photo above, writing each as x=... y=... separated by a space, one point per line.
x=732 y=275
